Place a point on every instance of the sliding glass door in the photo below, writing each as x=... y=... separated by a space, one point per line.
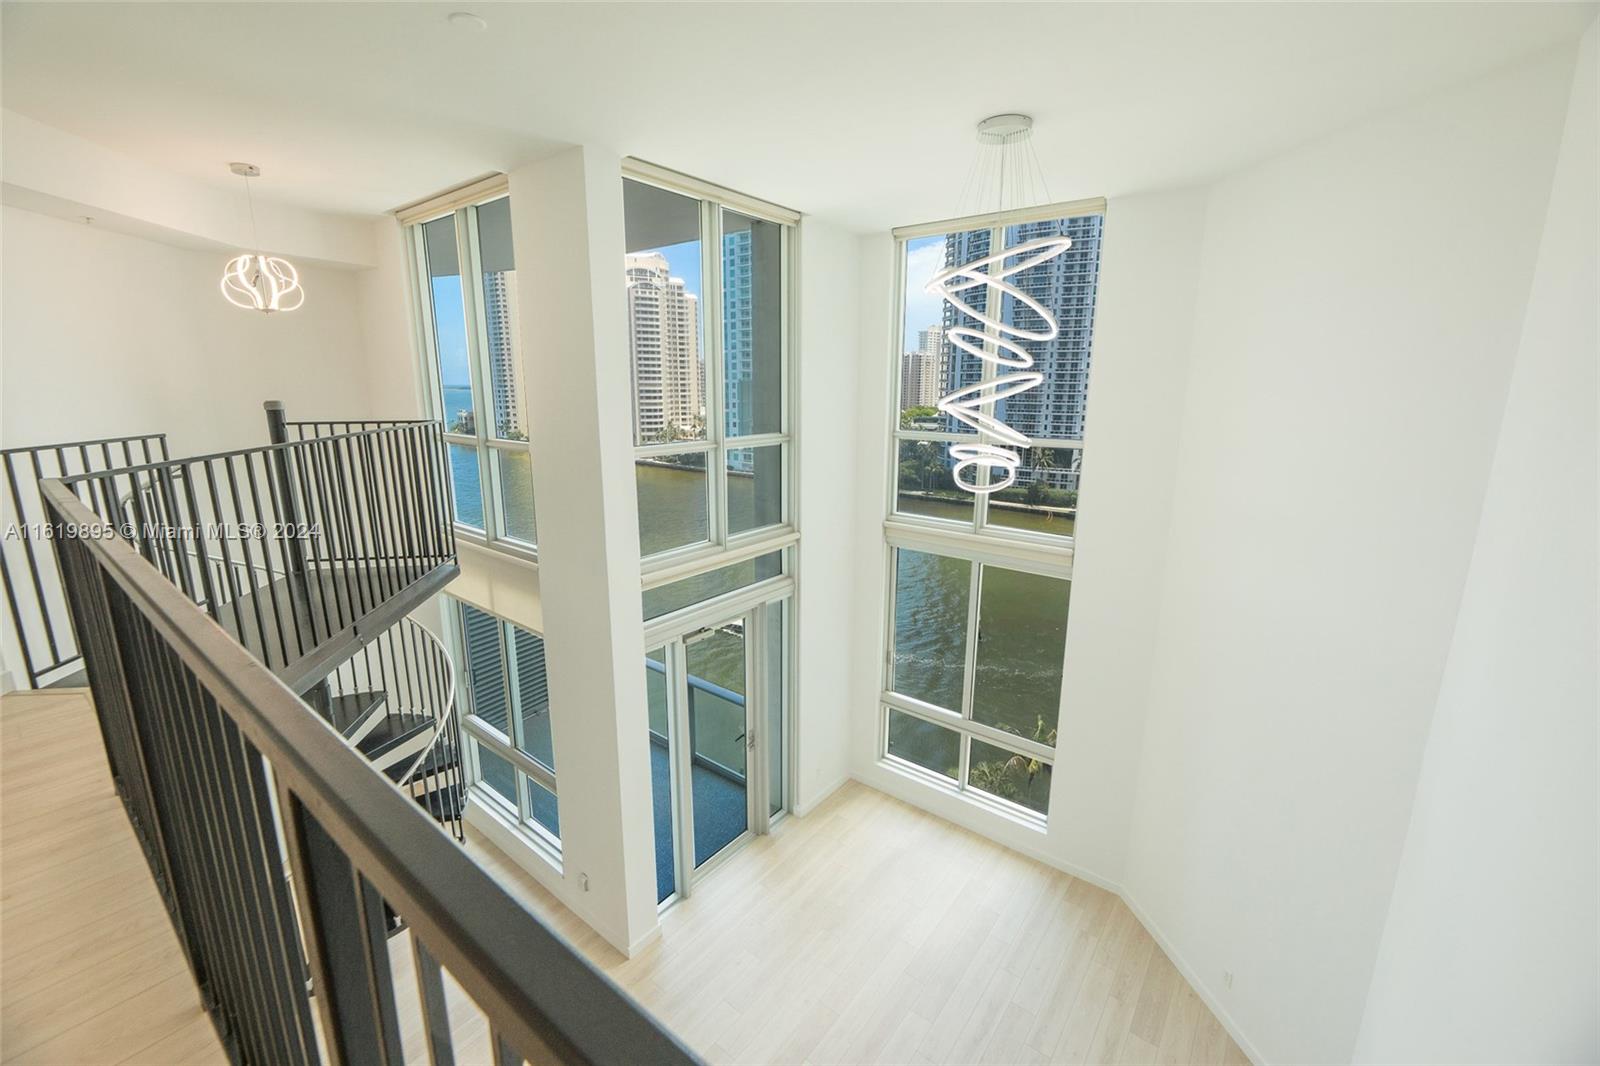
x=716 y=740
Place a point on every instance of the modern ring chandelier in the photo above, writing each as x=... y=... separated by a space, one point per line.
x=1005 y=151
x=256 y=281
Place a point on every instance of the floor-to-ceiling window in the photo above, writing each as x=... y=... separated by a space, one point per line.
x=980 y=583
x=468 y=320
x=707 y=276
x=506 y=726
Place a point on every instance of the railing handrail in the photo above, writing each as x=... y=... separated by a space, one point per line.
x=375 y=422
x=236 y=453
x=64 y=445
x=441 y=719
x=700 y=683
x=537 y=990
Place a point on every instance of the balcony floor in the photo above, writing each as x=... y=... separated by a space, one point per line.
x=866 y=932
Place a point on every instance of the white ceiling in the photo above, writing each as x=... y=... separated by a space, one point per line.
x=861 y=113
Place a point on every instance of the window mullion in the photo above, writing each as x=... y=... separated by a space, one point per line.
x=970 y=660
x=422 y=304
x=716 y=388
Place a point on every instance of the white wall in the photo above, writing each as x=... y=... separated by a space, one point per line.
x=106 y=334
x=826 y=459
x=1489 y=954
x=568 y=232
x=1359 y=305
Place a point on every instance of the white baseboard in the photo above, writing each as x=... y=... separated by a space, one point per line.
x=803 y=809
x=483 y=820
x=1202 y=988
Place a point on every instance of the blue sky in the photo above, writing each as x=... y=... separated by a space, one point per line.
x=924 y=259
x=451 y=330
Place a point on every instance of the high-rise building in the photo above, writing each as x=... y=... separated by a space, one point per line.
x=1055 y=410
x=738 y=328
x=664 y=339
x=922 y=371
x=505 y=369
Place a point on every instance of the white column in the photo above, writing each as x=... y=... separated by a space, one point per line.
x=568 y=229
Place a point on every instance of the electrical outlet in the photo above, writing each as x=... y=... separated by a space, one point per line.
x=1227 y=978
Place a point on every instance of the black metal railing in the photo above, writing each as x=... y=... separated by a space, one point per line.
x=397 y=701
x=302 y=550
x=35 y=603
x=229 y=778
x=307 y=430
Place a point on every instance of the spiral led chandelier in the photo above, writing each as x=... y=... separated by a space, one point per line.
x=1006 y=152
x=256 y=281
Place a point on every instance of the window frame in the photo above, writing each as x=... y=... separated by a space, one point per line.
x=978 y=542
x=980 y=525
x=461 y=204
x=720 y=548
x=478 y=731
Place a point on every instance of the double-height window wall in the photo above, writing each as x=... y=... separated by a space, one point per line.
x=981 y=582
x=707 y=275
x=467 y=321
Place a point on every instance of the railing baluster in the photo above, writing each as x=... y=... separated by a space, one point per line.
x=350 y=974
x=435 y=1012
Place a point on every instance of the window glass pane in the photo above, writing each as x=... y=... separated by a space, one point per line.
x=542 y=806
x=692 y=590
x=1010 y=776
x=1066 y=285
x=486 y=671
x=662 y=269
x=1045 y=497
x=533 y=695
x=449 y=322
x=500 y=319
x=752 y=324
x=468 y=486
x=497 y=773
x=672 y=501
x=924 y=485
x=932 y=747
x=514 y=472
x=717 y=737
x=1022 y=633
x=931 y=593
x=932 y=363
x=755 y=487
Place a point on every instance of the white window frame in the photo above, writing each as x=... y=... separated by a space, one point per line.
x=461 y=203
x=978 y=542
x=979 y=525
x=478 y=731
x=722 y=547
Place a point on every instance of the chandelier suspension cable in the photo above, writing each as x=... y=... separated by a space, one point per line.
x=250 y=202
x=255 y=280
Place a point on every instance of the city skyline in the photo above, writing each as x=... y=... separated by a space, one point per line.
x=664 y=348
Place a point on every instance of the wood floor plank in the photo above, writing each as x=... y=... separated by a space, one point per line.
x=867 y=932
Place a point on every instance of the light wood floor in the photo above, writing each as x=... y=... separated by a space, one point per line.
x=90 y=969
x=866 y=932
